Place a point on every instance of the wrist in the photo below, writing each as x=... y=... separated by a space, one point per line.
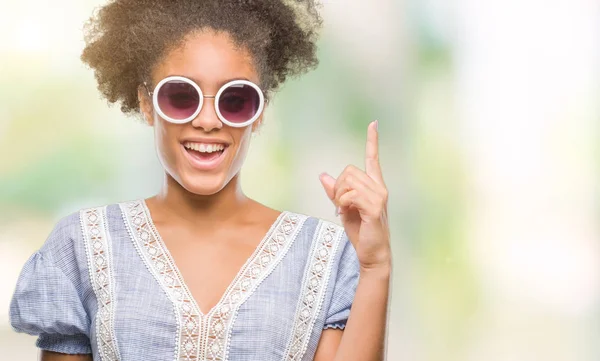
x=379 y=263
x=381 y=270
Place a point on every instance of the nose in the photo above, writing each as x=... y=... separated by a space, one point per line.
x=207 y=119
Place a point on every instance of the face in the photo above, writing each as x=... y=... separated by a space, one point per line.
x=210 y=59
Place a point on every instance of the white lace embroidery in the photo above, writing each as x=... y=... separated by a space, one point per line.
x=314 y=285
x=99 y=258
x=206 y=337
x=266 y=257
x=164 y=271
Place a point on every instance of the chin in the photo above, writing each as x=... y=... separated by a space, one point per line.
x=203 y=185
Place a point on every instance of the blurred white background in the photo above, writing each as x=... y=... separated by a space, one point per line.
x=489 y=129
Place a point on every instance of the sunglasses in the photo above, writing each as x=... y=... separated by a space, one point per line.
x=178 y=100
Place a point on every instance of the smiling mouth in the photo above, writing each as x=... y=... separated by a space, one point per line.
x=205 y=156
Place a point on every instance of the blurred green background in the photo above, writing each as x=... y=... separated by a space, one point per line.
x=488 y=114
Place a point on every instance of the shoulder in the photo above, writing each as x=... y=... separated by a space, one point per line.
x=313 y=222
x=321 y=232
x=63 y=238
x=66 y=238
x=332 y=258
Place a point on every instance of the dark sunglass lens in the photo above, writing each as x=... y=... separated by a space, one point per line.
x=178 y=99
x=239 y=103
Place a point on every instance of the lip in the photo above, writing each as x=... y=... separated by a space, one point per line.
x=204 y=165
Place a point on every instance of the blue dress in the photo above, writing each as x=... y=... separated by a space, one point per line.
x=104 y=283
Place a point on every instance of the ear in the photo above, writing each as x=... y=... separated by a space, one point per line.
x=145 y=105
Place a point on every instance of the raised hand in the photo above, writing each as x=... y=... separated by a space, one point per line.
x=360 y=198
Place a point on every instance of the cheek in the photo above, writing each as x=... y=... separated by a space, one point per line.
x=166 y=145
x=243 y=144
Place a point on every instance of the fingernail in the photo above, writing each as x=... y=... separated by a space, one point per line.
x=337 y=211
x=377 y=125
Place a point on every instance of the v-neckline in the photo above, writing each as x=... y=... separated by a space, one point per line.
x=239 y=275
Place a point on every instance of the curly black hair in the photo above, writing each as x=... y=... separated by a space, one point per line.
x=125 y=39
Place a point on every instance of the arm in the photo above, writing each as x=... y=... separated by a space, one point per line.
x=360 y=198
x=328 y=344
x=364 y=336
x=46 y=355
x=46 y=302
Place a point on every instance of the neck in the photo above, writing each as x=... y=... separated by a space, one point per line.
x=205 y=211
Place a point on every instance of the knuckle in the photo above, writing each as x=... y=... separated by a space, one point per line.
x=350 y=169
x=385 y=195
x=337 y=195
x=381 y=208
x=382 y=202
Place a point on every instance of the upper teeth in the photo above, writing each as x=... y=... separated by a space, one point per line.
x=204 y=147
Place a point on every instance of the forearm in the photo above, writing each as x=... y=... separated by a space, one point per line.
x=364 y=335
x=46 y=355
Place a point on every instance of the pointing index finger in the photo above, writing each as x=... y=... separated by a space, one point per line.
x=372 y=167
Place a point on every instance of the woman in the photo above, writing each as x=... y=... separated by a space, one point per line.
x=200 y=271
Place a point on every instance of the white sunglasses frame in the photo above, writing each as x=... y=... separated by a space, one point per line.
x=154 y=95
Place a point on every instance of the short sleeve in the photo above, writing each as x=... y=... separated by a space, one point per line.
x=346 y=281
x=46 y=303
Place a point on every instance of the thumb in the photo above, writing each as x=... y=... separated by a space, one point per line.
x=328 y=183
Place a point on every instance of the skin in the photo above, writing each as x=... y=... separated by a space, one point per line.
x=211 y=227
x=46 y=355
x=361 y=199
